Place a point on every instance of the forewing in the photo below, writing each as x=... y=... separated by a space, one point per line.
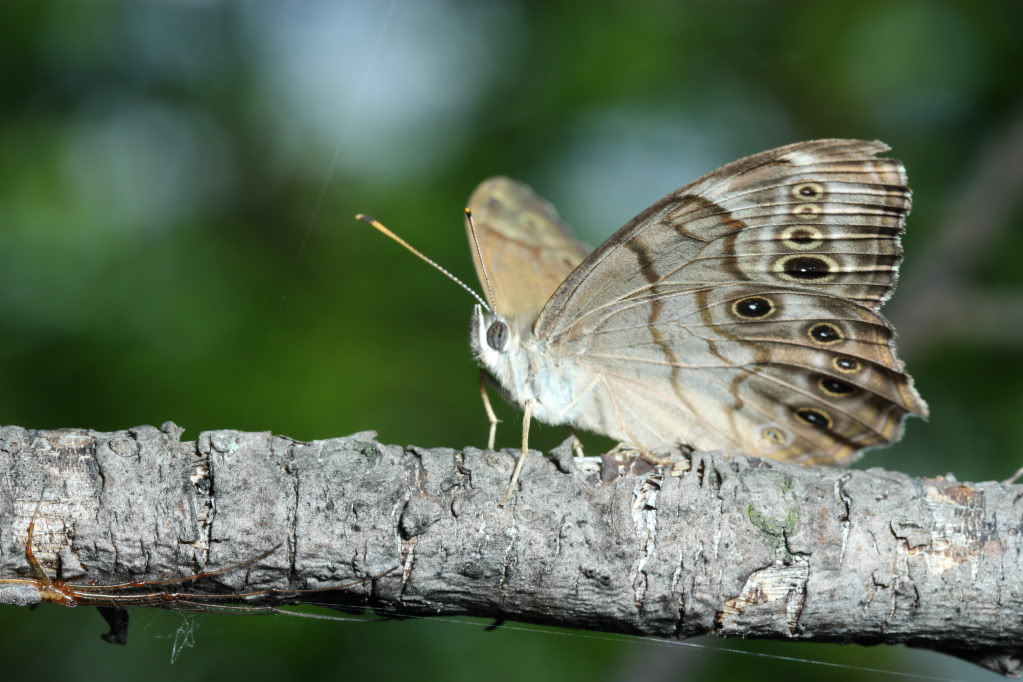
x=527 y=250
x=825 y=214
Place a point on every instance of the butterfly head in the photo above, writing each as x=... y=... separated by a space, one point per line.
x=490 y=334
x=492 y=339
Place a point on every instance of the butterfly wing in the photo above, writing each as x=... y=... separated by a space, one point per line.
x=740 y=312
x=527 y=250
x=812 y=378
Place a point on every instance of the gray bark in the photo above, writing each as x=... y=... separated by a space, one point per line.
x=714 y=544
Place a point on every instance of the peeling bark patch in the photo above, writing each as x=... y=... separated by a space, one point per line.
x=958 y=494
x=845 y=517
x=644 y=515
x=200 y=474
x=959 y=533
x=771 y=596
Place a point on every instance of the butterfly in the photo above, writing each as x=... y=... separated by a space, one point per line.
x=738 y=313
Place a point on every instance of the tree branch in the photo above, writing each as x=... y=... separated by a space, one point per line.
x=718 y=544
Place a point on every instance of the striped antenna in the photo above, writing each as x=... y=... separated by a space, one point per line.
x=380 y=227
x=479 y=255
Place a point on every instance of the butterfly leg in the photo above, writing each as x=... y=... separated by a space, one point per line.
x=526 y=418
x=577 y=445
x=494 y=421
x=654 y=459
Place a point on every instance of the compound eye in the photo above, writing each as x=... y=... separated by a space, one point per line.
x=497 y=335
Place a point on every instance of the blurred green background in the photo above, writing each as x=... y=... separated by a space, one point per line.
x=177 y=185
